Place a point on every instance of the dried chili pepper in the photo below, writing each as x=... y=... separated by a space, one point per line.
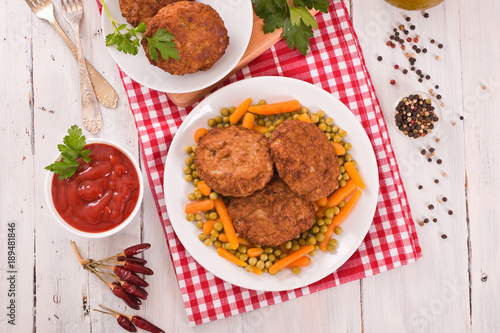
x=130 y=251
x=128 y=276
x=135 y=290
x=146 y=325
x=135 y=260
x=136 y=268
x=126 y=323
x=118 y=291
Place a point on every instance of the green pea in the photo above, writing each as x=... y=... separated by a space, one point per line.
x=335 y=129
x=268 y=135
x=187 y=170
x=314 y=118
x=224 y=112
x=213 y=196
x=195 y=174
x=288 y=245
x=218 y=119
x=345 y=176
x=188 y=178
x=337 y=138
x=330 y=248
x=337 y=210
x=268 y=250
x=304 y=109
x=252 y=261
x=342 y=204
x=193 y=166
x=218 y=226
x=244 y=257
x=320 y=222
x=213 y=238
x=198 y=217
x=268 y=123
x=196 y=181
x=277 y=252
x=311 y=240
x=213 y=216
x=272 y=117
x=249 y=268
x=333 y=242
x=188 y=150
x=190 y=217
x=208 y=242
x=203 y=236
x=322 y=127
x=199 y=224
x=268 y=264
x=260 y=264
x=296 y=270
x=225 y=120
x=188 y=161
x=283 y=255
x=314 y=229
x=320 y=237
x=215 y=233
x=342 y=182
x=329 y=212
x=264 y=257
x=271 y=257
x=342 y=133
x=217 y=244
x=312 y=253
x=329 y=121
x=337 y=230
x=211 y=122
x=347 y=146
x=348 y=157
x=295 y=117
x=231 y=109
x=296 y=247
x=262 y=102
x=198 y=195
x=328 y=221
x=191 y=197
x=322 y=230
x=242 y=249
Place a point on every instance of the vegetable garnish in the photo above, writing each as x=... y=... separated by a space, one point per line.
x=296 y=21
x=127 y=39
x=71 y=150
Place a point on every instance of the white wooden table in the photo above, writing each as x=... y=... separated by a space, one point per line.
x=453 y=288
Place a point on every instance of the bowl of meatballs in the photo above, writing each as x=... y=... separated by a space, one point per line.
x=271 y=176
x=210 y=37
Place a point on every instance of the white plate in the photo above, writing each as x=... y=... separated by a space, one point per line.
x=272 y=89
x=238 y=19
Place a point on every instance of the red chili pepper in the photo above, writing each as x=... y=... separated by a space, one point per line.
x=135 y=260
x=146 y=325
x=119 y=292
x=137 y=268
x=130 y=251
x=130 y=277
x=126 y=324
x=135 y=290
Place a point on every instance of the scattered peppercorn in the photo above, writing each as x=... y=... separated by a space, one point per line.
x=436 y=57
x=406 y=32
x=432 y=149
x=445 y=199
x=439 y=161
x=443 y=236
x=483 y=87
x=440 y=46
x=426 y=220
x=436 y=181
x=429 y=160
x=438 y=96
x=438 y=140
x=426 y=15
x=420 y=80
x=434 y=220
x=415 y=40
x=432 y=41
x=405 y=71
x=393 y=82
x=424 y=50
x=415 y=116
x=423 y=152
x=412 y=27
x=420 y=187
x=450 y=212
x=408 y=19
x=444 y=174
x=421 y=223
x=436 y=86
x=379 y=58
x=431 y=207
x=427 y=77
x=413 y=68
x=396 y=66
x=403 y=47
x=461 y=117
x=442 y=104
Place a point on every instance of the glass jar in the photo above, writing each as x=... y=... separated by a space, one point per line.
x=414 y=4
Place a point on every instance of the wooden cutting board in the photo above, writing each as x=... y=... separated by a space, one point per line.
x=259 y=42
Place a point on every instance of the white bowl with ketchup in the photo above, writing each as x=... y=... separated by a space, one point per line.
x=102 y=197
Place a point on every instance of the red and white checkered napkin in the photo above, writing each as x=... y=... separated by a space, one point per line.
x=336 y=64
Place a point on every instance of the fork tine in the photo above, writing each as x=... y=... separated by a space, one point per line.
x=32 y=6
x=63 y=5
x=79 y=5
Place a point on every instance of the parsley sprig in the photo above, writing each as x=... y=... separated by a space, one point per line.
x=127 y=39
x=296 y=20
x=71 y=150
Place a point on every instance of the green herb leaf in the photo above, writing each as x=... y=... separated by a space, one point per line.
x=296 y=21
x=71 y=150
x=162 y=41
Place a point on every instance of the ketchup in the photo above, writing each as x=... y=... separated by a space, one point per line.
x=101 y=194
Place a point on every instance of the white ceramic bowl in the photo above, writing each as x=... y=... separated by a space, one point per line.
x=437 y=111
x=65 y=225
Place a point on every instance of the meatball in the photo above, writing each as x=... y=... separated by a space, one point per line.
x=234 y=161
x=305 y=159
x=271 y=216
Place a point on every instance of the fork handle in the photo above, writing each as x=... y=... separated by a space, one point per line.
x=105 y=93
x=91 y=114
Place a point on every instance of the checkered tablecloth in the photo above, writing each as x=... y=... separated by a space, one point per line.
x=334 y=63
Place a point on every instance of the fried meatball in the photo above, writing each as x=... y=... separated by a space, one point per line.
x=234 y=161
x=305 y=159
x=199 y=35
x=137 y=11
x=271 y=216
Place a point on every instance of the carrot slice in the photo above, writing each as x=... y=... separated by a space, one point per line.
x=257 y=271
x=208 y=226
x=339 y=149
x=204 y=188
x=336 y=197
x=275 y=108
x=302 y=252
x=242 y=241
x=232 y=258
x=304 y=261
x=339 y=218
x=255 y=251
x=240 y=111
x=305 y=117
x=199 y=133
x=354 y=174
x=221 y=208
x=321 y=202
x=260 y=129
x=198 y=206
x=248 y=120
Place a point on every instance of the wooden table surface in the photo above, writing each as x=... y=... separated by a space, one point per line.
x=453 y=288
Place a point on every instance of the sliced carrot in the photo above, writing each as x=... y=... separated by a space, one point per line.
x=275 y=108
x=354 y=174
x=240 y=111
x=242 y=241
x=248 y=120
x=221 y=208
x=337 y=196
x=305 y=117
x=339 y=218
x=321 y=202
x=304 y=261
x=316 y=206
x=199 y=133
x=208 y=226
x=204 y=188
x=302 y=252
x=255 y=251
x=231 y=257
x=260 y=129
x=257 y=271
x=199 y=206
x=339 y=149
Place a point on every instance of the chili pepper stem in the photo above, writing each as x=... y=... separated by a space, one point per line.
x=99 y=276
x=110 y=313
x=108 y=274
x=82 y=261
x=116 y=312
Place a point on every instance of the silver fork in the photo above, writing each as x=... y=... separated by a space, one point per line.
x=91 y=114
x=106 y=95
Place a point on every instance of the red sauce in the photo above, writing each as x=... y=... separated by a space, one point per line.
x=101 y=194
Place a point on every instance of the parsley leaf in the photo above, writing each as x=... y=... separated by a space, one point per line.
x=296 y=21
x=71 y=150
x=127 y=40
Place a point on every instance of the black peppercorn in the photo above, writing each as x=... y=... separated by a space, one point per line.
x=408 y=19
x=424 y=50
x=450 y=212
x=426 y=15
x=440 y=46
x=443 y=236
x=438 y=96
x=434 y=220
x=431 y=207
x=445 y=199
x=379 y=58
x=436 y=86
x=439 y=161
x=436 y=181
x=420 y=187
x=405 y=71
x=412 y=27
